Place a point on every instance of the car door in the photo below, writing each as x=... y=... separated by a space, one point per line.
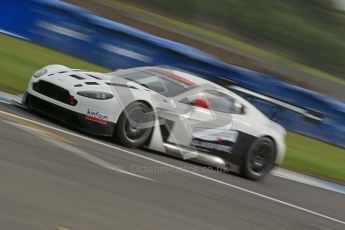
x=201 y=120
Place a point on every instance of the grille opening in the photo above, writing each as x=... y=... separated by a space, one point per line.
x=76 y=77
x=53 y=91
x=63 y=71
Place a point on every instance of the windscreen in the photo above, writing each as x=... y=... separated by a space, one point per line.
x=164 y=82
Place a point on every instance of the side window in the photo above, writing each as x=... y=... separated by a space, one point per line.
x=218 y=101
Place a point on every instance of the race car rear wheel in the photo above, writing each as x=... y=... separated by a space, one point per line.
x=259 y=161
x=135 y=125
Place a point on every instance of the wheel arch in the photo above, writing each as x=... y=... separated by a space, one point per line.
x=276 y=147
x=145 y=102
x=280 y=148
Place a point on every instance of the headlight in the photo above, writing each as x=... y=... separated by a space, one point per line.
x=39 y=73
x=95 y=95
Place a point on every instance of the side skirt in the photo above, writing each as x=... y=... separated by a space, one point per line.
x=200 y=157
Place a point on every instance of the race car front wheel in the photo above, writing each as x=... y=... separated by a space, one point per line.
x=135 y=125
x=259 y=161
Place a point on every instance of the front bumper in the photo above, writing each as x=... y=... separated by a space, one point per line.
x=74 y=119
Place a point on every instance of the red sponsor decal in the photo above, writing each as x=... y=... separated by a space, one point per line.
x=219 y=140
x=96 y=119
x=172 y=75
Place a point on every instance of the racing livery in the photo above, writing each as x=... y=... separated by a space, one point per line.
x=165 y=110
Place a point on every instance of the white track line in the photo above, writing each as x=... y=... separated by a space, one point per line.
x=12 y=34
x=301 y=178
x=186 y=171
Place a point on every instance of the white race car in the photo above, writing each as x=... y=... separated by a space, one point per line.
x=166 y=110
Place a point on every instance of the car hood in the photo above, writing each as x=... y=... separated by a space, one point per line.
x=77 y=80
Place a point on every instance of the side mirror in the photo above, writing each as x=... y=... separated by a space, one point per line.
x=200 y=102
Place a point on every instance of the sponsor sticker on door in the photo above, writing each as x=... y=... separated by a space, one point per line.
x=215 y=134
x=219 y=140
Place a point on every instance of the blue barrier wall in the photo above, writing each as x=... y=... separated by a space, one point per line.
x=78 y=32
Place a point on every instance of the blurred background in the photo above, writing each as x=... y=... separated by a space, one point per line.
x=294 y=40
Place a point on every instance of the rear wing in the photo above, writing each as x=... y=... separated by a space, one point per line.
x=308 y=114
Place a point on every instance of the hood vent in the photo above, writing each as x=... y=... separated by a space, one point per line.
x=121 y=85
x=92 y=76
x=76 y=77
x=91 y=83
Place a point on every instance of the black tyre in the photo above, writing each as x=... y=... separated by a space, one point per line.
x=259 y=161
x=135 y=125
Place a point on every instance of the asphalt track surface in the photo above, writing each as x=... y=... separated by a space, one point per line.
x=52 y=177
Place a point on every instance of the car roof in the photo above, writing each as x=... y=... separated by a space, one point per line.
x=184 y=76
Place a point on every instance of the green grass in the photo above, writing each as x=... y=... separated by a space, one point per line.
x=314 y=157
x=225 y=40
x=19 y=59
